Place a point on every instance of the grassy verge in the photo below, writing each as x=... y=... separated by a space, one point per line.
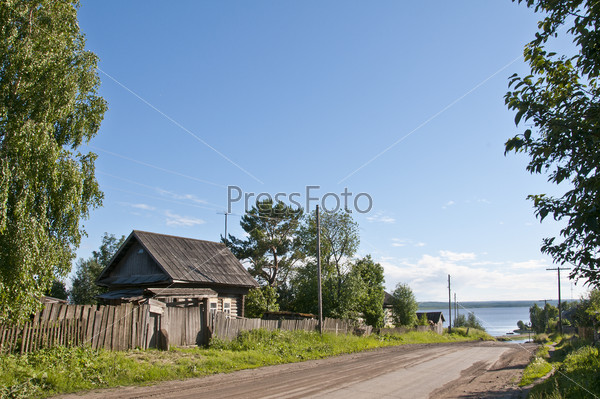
x=577 y=375
x=538 y=367
x=62 y=370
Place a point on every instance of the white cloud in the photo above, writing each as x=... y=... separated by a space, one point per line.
x=141 y=206
x=449 y=203
x=457 y=257
x=401 y=242
x=475 y=281
x=178 y=220
x=539 y=264
x=181 y=197
x=145 y=207
x=397 y=242
x=381 y=218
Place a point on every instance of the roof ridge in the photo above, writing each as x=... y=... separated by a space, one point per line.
x=174 y=236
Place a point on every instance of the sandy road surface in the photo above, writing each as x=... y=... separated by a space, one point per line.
x=463 y=370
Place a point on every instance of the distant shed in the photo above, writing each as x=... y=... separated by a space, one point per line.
x=388 y=300
x=436 y=320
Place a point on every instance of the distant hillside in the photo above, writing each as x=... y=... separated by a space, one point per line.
x=489 y=304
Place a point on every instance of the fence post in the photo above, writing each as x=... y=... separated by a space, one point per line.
x=205 y=322
x=24 y=337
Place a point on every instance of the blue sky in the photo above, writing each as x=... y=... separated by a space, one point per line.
x=402 y=101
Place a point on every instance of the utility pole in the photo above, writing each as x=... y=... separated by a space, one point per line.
x=319 y=272
x=225 y=213
x=558 y=269
x=449 y=307
x=455 y=308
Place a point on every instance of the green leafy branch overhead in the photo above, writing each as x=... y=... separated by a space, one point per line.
x=560 y=99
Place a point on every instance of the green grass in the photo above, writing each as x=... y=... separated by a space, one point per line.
x=62 y=370
x=538 y=367
x=578 y=376
x=577 y=365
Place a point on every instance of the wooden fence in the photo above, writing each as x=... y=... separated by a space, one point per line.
x=109 y=327
x=228 y=328
x=184 y=325
x=151 y=324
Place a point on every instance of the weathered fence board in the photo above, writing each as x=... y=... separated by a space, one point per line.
x=228 y=328
x=110 y=327
x=135 y=326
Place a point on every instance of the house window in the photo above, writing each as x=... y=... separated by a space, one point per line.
x=227 y=307
x=213 y=308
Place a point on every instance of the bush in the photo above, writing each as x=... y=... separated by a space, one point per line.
x=470 y=321
x=577 y=377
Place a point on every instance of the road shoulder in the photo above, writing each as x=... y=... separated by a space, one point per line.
x=498 y=381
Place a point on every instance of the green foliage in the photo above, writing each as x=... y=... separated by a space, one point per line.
x=469 y=334
x=341 y=303
x=84 y=289
x=460 y=320
x=404 y=306
x=577 y=376
x=593 y=305
x=423 y=320
x=58 y=290
x=537 y=368
x=469 y=321
x=560 y=98
x=278 y=239
x=351 y=288
x=361 y=293
x=339 y=239
x=371 y=300
x=543 y=320
x=304 y=290
x=48 y=107
x=473 y=322
x=260 y=300
x=270 y=247
x=587 y=310
x=521 y=326
x=339 y=242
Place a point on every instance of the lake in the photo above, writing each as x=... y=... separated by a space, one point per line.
x=496 y=320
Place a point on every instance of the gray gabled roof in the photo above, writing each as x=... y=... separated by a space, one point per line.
x=433 y=316
x=187 y=259
x=388 y=300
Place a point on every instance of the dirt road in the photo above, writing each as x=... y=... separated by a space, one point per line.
x=462 y=370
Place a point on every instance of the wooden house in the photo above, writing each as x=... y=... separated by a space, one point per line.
x=436 y=320
x=184 y=279
x=176 y=269
x=388 y=319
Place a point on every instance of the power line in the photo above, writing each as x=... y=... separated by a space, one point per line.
x=149 y=165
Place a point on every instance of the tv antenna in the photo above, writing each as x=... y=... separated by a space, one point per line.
x=225 y=213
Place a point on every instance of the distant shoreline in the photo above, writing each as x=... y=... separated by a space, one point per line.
x=490 y=304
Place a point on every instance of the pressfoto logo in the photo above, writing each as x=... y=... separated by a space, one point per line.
x=330 y=202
